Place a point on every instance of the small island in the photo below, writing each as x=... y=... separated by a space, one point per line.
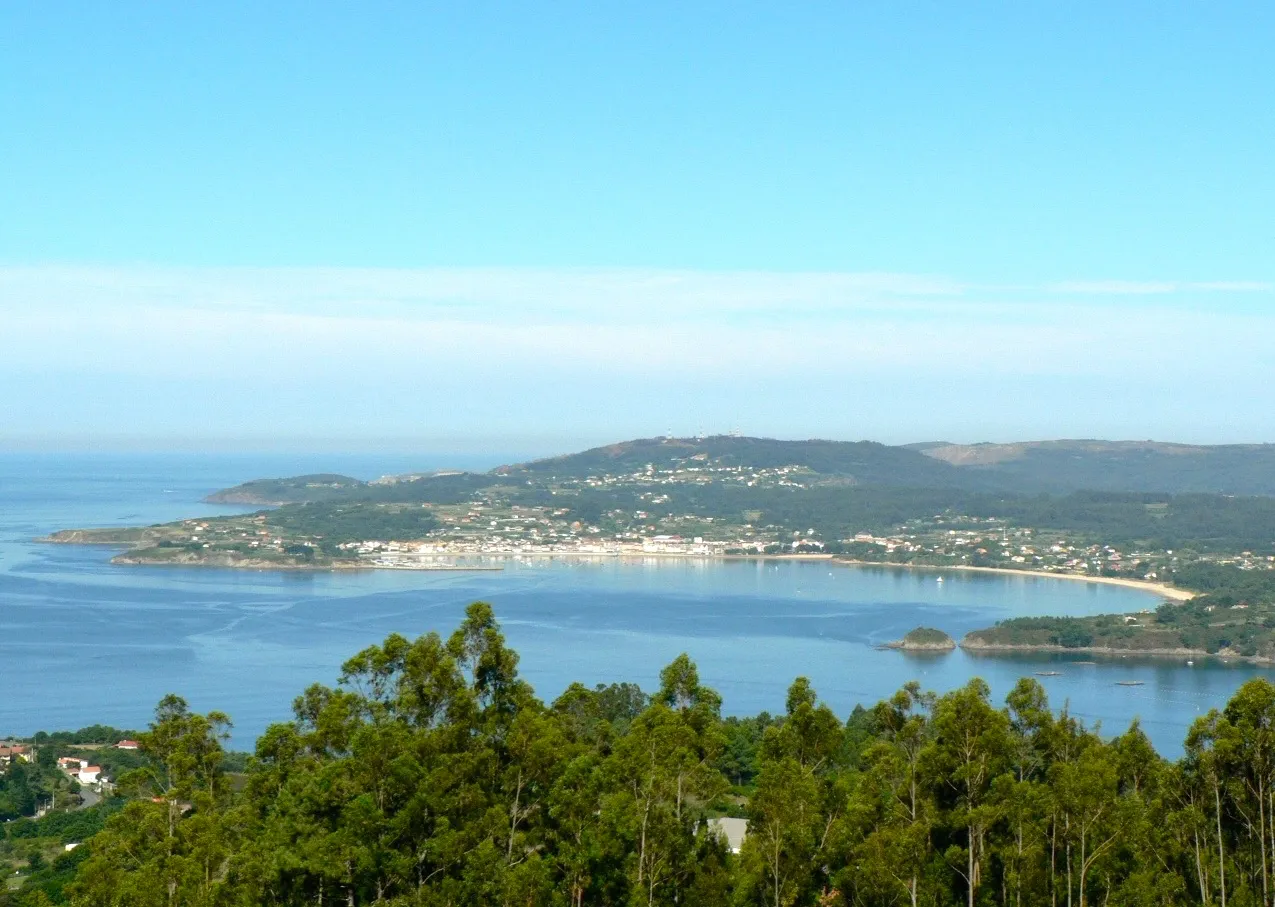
x=924 y=639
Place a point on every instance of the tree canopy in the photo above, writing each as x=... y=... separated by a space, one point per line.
x=432 y=775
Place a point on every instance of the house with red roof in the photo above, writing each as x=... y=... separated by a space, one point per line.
x=12 y=752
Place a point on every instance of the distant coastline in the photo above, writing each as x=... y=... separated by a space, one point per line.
x=978 y=647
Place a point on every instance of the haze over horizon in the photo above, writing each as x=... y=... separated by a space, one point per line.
x=291 y=227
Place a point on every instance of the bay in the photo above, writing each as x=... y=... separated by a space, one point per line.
x=83 y=641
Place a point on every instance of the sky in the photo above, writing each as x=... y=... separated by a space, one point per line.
x=536 y=227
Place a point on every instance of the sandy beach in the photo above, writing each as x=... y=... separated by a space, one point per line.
x=448 y=561
x=1170 y=592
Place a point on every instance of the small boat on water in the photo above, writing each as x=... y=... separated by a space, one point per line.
x=1048 y=673
x=1130 y=683
x=1084 y=662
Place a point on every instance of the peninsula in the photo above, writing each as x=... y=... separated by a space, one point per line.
x=1020 y=508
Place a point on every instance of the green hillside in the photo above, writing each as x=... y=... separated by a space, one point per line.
x=859 y=462
x=1026 y=468
x=1247 y=469
x=290 y=490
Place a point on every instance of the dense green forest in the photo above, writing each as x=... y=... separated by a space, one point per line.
x=433 y=776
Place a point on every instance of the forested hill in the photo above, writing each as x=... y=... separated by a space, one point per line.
x=1035 y=467
x=864 y=463
x=856 y=462
x=290 y=490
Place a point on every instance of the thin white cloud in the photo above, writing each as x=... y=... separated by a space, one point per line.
x=568 y=293
x=1158 y=287
x=251 y=349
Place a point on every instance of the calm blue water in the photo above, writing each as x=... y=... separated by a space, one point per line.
x=82 y=641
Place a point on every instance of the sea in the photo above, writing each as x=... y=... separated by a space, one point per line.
x=83 y=641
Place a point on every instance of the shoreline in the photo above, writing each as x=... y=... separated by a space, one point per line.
x=1172 y=593
x=127 y=560
x=995 y=649
x=1163 y=590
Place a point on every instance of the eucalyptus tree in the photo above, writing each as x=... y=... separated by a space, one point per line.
x=169 y=846
x=1021 y=794
x=893 y=812
x=1203 y=771
x=797 y=804
x=1246 y=745
x=1088 y=798
x=971 y=747
x=658 y=776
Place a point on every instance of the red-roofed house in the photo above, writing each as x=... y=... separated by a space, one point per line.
x=128 y=745
x=10 y=753
x=90 y=774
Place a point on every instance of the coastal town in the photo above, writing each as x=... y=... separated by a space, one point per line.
x=478 y=534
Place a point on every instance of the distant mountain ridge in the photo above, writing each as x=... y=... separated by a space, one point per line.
x=1030 y=467
x=1096 y=465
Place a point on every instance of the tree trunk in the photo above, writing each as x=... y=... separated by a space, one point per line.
x=970 y=879
x=1018 y=870
x=1053 y=862
x=646 y=813
x=1199 y=871
x=1261 y=824
x=1270 y=818
x=513 y=819
x=1068 y=874
x=1084 y=868
x=775 y=867
x=1221 y=854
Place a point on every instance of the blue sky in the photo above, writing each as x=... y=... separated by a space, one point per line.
x=535 y=226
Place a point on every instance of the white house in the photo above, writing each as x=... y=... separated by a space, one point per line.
x=89 y=774
x=733 y=830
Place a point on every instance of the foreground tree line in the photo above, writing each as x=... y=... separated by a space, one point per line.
x=433 y=776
